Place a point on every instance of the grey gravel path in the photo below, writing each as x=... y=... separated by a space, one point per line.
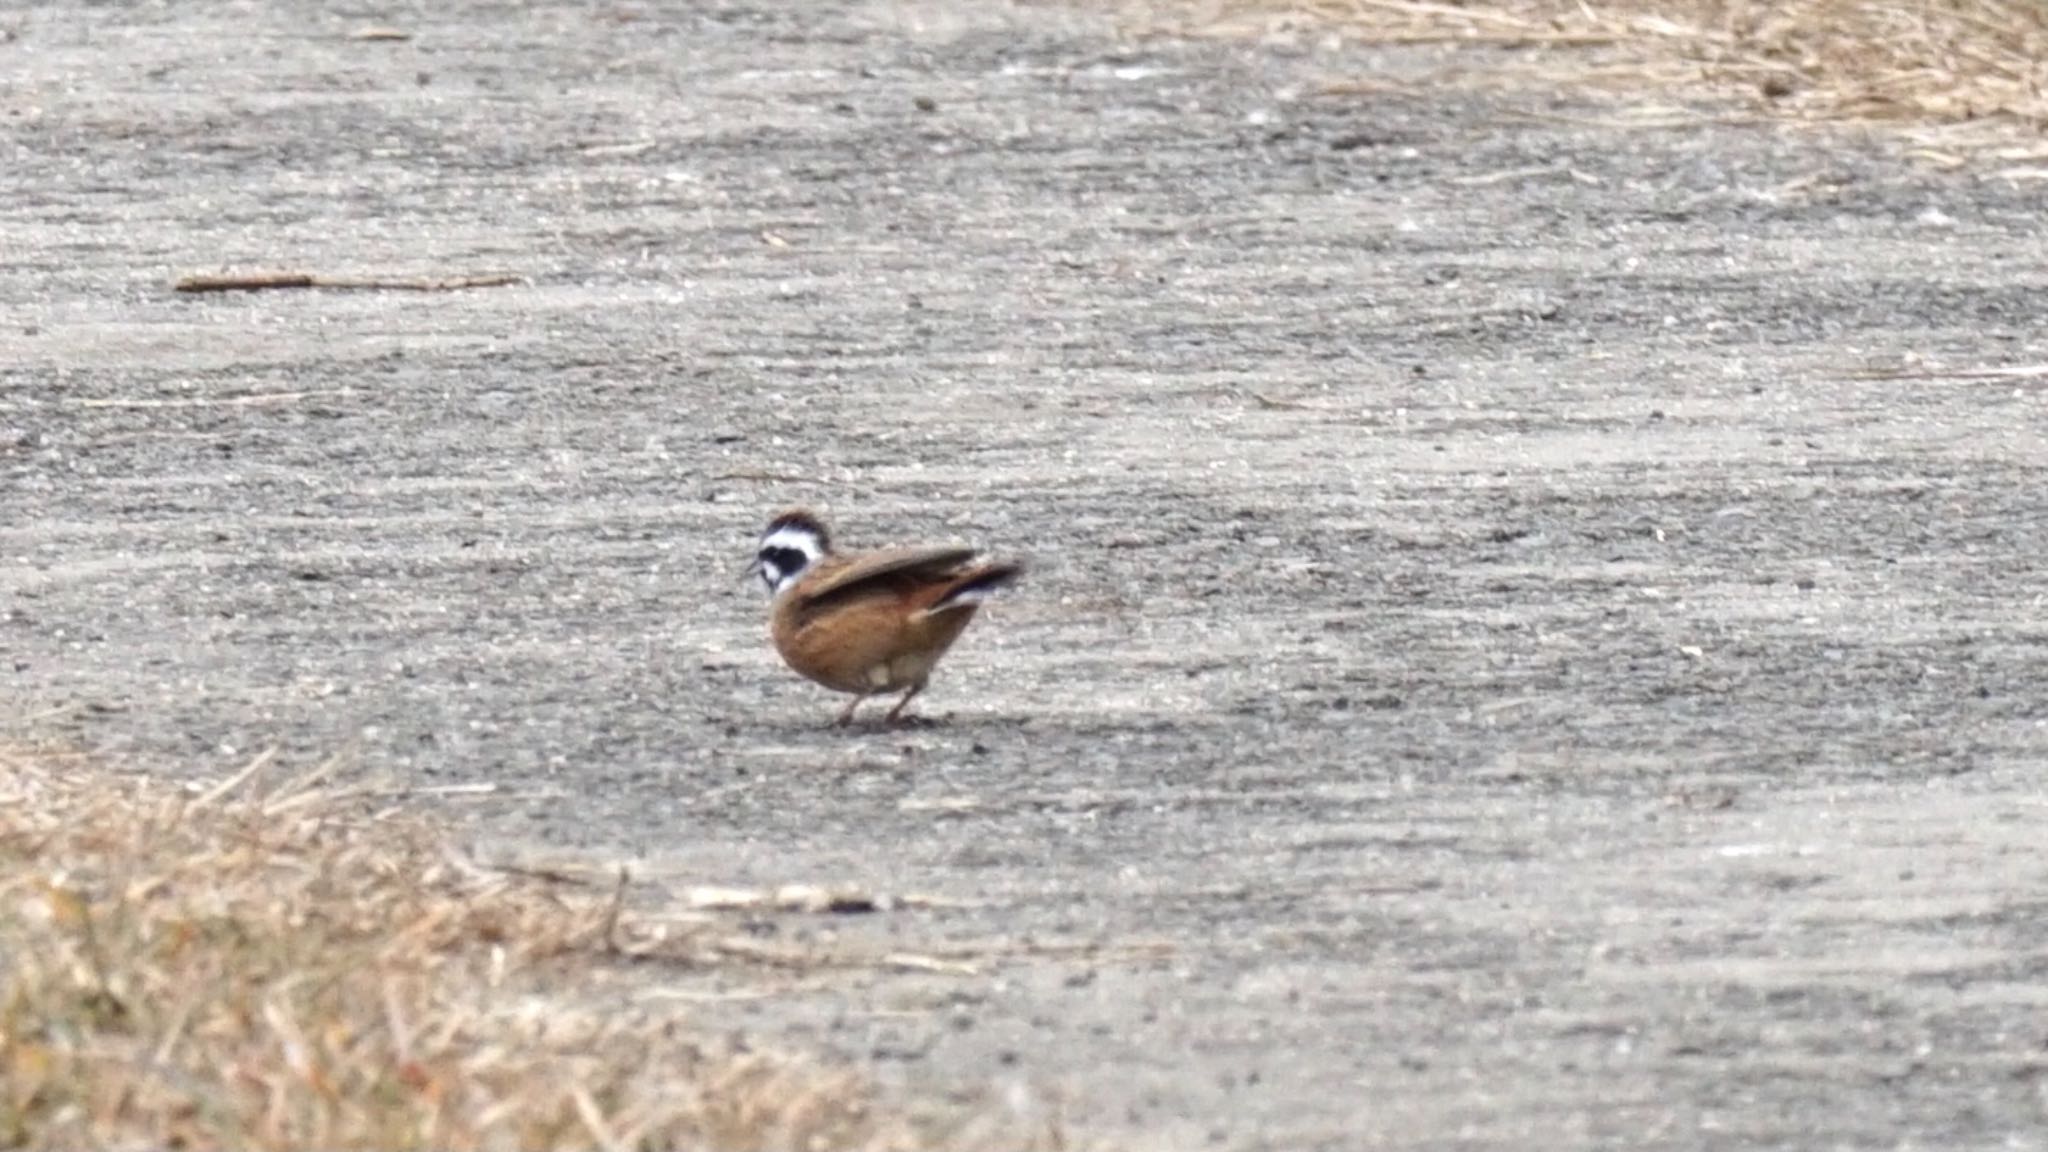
x=1498 y=671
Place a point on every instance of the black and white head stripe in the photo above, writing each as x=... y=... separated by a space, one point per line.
x=793 y=542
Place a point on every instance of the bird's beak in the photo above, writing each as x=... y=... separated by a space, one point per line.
x=753 y=569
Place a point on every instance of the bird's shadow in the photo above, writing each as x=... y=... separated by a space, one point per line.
x=945 y=723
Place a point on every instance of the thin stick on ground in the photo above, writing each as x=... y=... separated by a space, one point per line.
x=260 y=281
x=612 y=914
x=2017 y=372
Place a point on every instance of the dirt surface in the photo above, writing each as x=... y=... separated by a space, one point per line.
x=1496 y=672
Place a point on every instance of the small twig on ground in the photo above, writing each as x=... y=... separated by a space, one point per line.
x=303 y=791
x=228 y=785
x=480 y=788
x=787 y=898
x=593 y=1119
x=546 y=875
x=1485 y=179
x=1645 y=123
x=255 y=400
x=915 y=962
x=611 y=916
x=2032 y=372
x=255 y=281
x=625 y=148
x=1277 y=403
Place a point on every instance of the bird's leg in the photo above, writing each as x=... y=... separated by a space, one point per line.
x=897 y=711
x=846 y=714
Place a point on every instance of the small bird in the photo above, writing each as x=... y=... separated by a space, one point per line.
x=870 y=622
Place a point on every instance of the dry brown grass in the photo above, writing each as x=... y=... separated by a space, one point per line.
x=297 y=969
x=1965 y=72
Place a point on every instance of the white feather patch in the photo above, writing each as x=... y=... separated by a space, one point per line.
x=958 y=600
x=790 y=536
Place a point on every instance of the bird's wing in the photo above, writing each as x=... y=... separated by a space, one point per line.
x=926 y=563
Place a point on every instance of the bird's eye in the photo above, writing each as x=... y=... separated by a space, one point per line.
x=782 y=559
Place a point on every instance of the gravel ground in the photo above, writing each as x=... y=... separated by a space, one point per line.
x=1503 y=666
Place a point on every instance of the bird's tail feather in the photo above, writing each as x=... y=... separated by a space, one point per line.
x=977 y=586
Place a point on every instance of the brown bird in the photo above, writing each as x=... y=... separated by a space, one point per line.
x=871 y=622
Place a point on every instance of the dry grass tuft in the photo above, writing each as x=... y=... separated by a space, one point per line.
x=230 y=969
x=1978 y=68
